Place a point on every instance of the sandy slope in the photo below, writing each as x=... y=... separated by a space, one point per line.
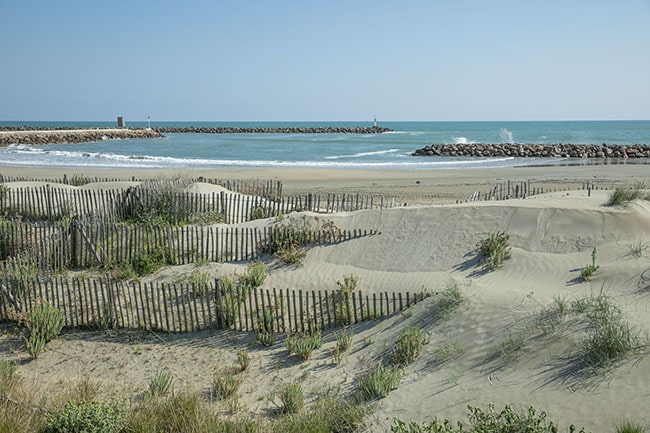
x=423 y=247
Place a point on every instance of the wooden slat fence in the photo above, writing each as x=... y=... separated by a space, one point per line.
x=263 y=188
x=83 y=244
x=512 y=190
x=178 y=207
x=106 y=303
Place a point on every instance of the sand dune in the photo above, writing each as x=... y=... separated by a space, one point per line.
x=426 y=247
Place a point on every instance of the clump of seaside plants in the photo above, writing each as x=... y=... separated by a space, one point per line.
x=494 y=250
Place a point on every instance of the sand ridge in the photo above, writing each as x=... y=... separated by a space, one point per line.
x=421 y=247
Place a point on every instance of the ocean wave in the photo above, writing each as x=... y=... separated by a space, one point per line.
x=108 y=160
x=362 y=154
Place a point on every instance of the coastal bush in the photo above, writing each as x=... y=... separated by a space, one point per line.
x=225 y=383
x=622 y=196
x=344 y=340
x=79 y=180
x=150 y=260
x=638 y=248
x=264 y=328
x=495 y=249
x=200 y=282
x=84 y=416
x=9 y=377
x=630 y=427
x=329 y=414
x=257 y=213
x=377 y=383
x=589 y=270
x=291 y=236
x=243 y=360
x=609 y=337
x=292 y=397
x=341 y=299
x=409 y=345
x=161 y=383
x=207 y=218
x=178 y=413
x=42 y=324
x=489 y=421
x=303 y=345
x=255 y=274
x=447 y=301
x=343 y=344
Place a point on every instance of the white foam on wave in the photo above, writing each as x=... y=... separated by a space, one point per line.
x=462 y=140
x=362 y=154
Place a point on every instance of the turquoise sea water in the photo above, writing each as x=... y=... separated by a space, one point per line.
x=388 y=150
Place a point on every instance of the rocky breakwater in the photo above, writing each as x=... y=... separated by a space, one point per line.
x=35 y=137
x=603 y=151
x=276 y=130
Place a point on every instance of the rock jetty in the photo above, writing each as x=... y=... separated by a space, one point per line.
x=276 y=130
x=537 y=150
x=34 y=137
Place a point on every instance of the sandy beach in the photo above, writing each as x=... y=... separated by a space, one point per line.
x=506 y=347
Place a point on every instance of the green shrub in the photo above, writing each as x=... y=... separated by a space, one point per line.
x=446 y=301
x=506 y=421
x=9 y=377
x=622 y=196
x=256 y=274
x=342 y=298
x=290 y=237
x=608 y=336
x=344 y=340
x=409 y=345
x=161 y=383
x=494 y=250
x=243 y=359
x=630 y=427
x=79 y=180
x=303 y=345
x=257 y=213
x=328 y=415
x=292 y=397
x=200 y=282
x=349 y=283
x=86 y=417
x=207 y=218
x=378 y=383
x=264 y=329
x=176 y=414
x=149 y=261
x=225 y=383
x=42 y=324
x=589 y=270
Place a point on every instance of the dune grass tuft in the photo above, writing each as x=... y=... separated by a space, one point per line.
x=495 y=249
x=622 y=196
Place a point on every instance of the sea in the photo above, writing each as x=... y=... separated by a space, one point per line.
x=391 y=150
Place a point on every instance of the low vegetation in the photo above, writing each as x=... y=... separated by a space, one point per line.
x=486 y=421
x=622 y=196
x=42 y=324
x=409 y=345
x=589 y=270
x=160 y=384
x=225 y=382
x=84 y=416
x=378 y=383
x=494 y=250
x=303 y=345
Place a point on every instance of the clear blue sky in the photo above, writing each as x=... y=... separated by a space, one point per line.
x=326 y=60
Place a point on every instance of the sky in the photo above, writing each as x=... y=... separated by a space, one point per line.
x=334 y=60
